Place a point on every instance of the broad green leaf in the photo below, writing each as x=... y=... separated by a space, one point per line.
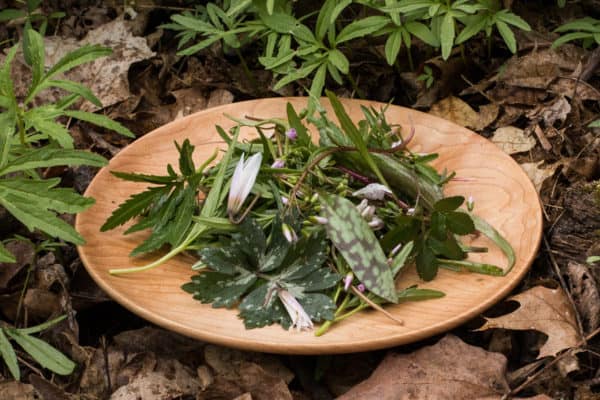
x=484 y=227
x=72 y=87
x=361 y=28
x=45 y=157
x=5 y=255
x=224 y=260
x=33 y=51
x=427 y=264
x=45 y=355
x=449 y=203
x=10 y=14
x=508 y=36
x=357 y=243
x=318 y=306
x=405 y=7
x=219 y=289
x=470 y=30
x=447 y=248
x=392 y=46
x=459 y=222
x=182 y=219
x=9 y=356
x=100 y=120
x=447 y=35
x=258 y=313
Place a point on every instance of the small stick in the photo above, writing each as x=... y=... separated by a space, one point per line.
x=376 y=306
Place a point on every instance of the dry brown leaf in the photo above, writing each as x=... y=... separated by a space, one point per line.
x=454 y=109
x=586 y=293
x=148 y=386
x=558 y=110
x=513 y=140
x=450 y=369
x=16 y=391
x=539 y=175
x=545 y=310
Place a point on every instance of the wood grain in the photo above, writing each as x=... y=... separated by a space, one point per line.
x=503 y=194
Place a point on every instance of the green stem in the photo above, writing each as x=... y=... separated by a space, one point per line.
x=247 y=71
x=352 y=312
x=327 y=324
x=411 y=64
x=21 y=131
x=359 y=92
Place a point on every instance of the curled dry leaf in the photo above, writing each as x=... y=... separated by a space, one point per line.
x=513 y=140
x=544 y=310
x=539 y=175
x=450 y=369
x=585 y=291
x=454 y=109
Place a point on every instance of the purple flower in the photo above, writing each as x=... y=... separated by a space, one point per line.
x=291 y=134
x=279 y=163
x=361 y=287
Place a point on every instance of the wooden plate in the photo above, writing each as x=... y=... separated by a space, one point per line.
x=503 y=194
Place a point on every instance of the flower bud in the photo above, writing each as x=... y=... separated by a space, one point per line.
x=289 y=233
x=291 y=134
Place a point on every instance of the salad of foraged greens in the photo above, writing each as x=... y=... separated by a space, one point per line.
x=294 y=232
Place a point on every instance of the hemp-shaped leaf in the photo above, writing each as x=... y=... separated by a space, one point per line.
x=352 y=236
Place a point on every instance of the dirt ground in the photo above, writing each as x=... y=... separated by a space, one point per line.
x=535 y=105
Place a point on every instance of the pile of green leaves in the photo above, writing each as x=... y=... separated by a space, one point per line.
x=308 y=231
x=35 y=137
x=296 y=45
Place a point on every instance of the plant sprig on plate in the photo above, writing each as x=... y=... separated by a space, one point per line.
x=294 y=232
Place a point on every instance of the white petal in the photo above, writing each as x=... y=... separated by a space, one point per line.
x=300 y=319
x=373 y=191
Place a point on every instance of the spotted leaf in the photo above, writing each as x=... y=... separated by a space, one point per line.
x=352 y=236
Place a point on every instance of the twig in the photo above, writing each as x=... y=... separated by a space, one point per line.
x=376 y=306
x=106 y=365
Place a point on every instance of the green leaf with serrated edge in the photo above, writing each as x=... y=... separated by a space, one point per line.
x=77 y=57
x=225 y=260
x=9 y=356
x=182 y=219
x=51 y=129
x=34 y=217
x=357 y=243
x=318 y=280
x=135 y=177
x=459 y=223
x=489 y=231
x=62 y=200
x=257 y=310
x=448 y=248
x=45 y=157
x=157 y=239
x=132 y=207
x=416 y=294
x=5 y=255
x=427 y=264
x=43 y=353
x=186 y=164
x=222 y=290
x=100 y=120
x=251 y=240
x=449 y=203
x=400 y=259
x=72 y=87
x=307 y=255
x=318 y=306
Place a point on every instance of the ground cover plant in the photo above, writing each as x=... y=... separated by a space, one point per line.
x=524 y=74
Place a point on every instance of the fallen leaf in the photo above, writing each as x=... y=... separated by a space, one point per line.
x=148 y=386
x=544 y=310
x=454 y=109
x=17 y=391
x=586 y=293
x=539 y=175
x=219 y=97
x=513 y=140
x=558 y=110
x=23 y=252
x=450 y=369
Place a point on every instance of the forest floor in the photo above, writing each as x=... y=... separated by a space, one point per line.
x=535 y=105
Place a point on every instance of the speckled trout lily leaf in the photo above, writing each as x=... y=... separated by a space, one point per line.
x=352 y=236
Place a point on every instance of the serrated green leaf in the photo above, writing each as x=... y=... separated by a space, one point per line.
x=100 y=120
x=9 y=356
x=132 y=207
x=318 y=280
x=182 y=219
x=361 y=28
x=45 y=157
x=222 y=290
x=459 y=223
x=351 y=235
x=257 y=311
x=77 y=57
x=45 y=355
x=5 y=255
x=318 y=306
x=72 y=87
x=63 y=200
x=224 y=260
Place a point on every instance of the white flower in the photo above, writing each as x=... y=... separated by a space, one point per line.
x=242 y=182
x=289 y=233
x=300 y=319
x=376 y=223
x=470 y=203
x=373 y=191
